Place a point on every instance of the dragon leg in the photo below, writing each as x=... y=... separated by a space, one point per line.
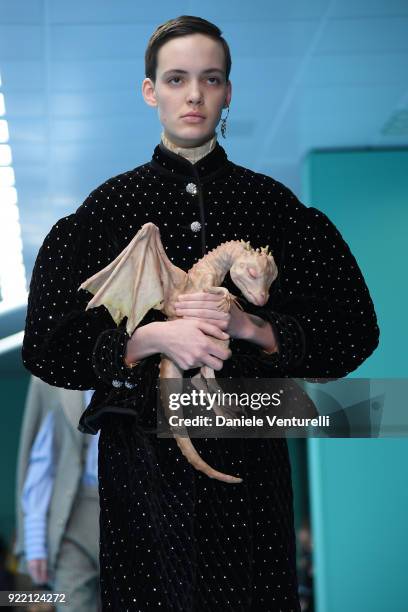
x=208 y=373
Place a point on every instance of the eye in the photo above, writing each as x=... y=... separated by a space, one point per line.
x=215 y=80
x=252 y=273
x=175 y=78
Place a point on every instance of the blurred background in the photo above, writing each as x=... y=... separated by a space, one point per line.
x=320 y=102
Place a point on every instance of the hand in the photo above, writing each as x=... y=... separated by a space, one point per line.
x=38 y=570
x=203 y=305
x=191 y=343
x=237 y=323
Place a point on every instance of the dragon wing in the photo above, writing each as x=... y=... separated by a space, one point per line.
x=140 y=278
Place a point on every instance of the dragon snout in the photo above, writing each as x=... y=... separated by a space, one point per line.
x=259 y=298
x=262 y=298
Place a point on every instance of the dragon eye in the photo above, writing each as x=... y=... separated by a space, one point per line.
x=253 y=273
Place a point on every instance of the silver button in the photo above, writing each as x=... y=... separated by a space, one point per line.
x=191 y=188
x=195 y=226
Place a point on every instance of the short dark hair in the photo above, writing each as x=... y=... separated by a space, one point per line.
x=182 y=26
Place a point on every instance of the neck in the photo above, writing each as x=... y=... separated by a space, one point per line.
x=219 y=261
x=192 y=154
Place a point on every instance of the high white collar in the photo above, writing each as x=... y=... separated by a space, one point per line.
x=193 y=154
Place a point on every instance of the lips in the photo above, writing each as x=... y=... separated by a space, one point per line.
x=197 y=115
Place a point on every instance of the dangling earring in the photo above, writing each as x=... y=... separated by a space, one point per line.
x=224 y=123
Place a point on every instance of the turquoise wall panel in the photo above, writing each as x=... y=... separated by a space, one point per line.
x=359 y=488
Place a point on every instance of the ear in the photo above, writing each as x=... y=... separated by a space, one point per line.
x=229 y=95
x=148 y=92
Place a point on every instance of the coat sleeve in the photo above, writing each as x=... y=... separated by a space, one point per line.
x=34 y=411
x=321 y=310
x=61 y=338
x=37 y=490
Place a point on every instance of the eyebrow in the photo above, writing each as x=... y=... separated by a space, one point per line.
x=179 y=71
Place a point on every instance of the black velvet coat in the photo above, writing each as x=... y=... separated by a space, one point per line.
x=171 y=538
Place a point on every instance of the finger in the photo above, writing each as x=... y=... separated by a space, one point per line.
x=213 y=306
x=202 y=313
x=212 y=362
x=212 y=330
x=201 y=296
x=221 y=324
x=220 y=352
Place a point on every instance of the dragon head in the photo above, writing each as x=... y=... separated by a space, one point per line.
x=253 y=272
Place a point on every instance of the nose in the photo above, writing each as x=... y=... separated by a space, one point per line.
x=195 y=94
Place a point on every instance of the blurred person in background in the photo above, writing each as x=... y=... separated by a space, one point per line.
x=57 y=541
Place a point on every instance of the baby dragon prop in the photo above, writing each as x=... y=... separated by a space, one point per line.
x=143 y=277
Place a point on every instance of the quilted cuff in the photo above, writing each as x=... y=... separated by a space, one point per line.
x=108 y=360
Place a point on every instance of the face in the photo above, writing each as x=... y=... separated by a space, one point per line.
x=190 y=78
x=253 y=273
